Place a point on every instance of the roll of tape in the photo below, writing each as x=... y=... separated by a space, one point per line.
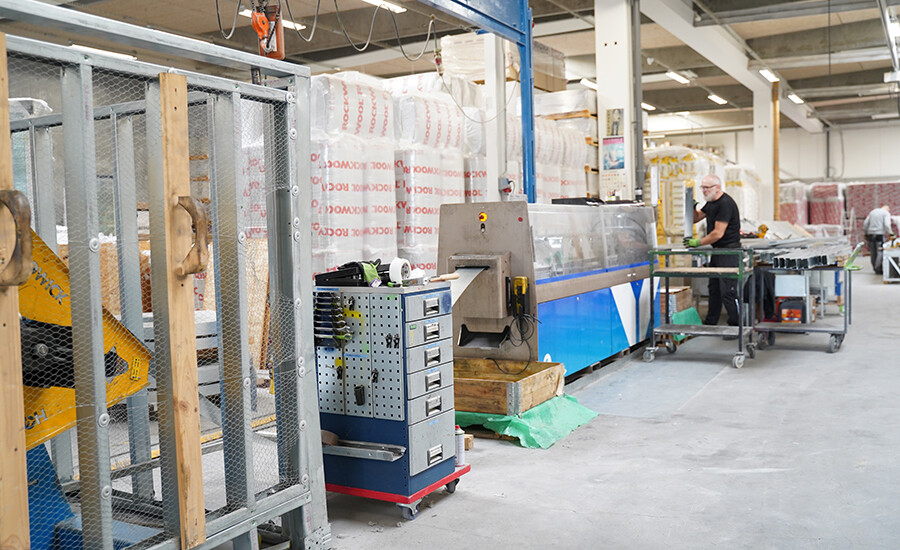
x=399 y=270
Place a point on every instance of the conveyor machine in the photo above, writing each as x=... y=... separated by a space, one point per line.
x=563 y=283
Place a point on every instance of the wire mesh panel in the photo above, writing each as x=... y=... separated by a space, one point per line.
x=86 y=152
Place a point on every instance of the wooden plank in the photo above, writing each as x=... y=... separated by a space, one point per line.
x=583 y=113
x=541 y=386
x=14 y=533
x=179 y=237
x=481 y=386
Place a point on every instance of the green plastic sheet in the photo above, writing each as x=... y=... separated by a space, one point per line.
x=689 y=316
x=538 y=427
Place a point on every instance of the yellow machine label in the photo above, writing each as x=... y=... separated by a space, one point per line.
x=44 y=298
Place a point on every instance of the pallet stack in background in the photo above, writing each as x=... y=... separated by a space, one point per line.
x=862 y=198
x=793 y=204
x=742 y=184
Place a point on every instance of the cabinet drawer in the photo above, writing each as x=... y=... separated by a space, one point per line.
x=422 y=306
x=429 y=380
x=430 y=405
x=426 y=331
x=428 y=356
x=431 y=442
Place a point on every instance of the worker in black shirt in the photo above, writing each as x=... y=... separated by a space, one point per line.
x=723 y=230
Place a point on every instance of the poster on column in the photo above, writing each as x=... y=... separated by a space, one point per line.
x=614 y=121
x=613 y=153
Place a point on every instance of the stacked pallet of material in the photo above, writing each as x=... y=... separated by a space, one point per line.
x=548 y=156
x=862 y=198
x=573 y=181
x=463 y=91
x=826 y=203
x=742 y=184
x=429 y=170
x=793 y=203
x=352 y=159
x=680 y=168
x=463 y=55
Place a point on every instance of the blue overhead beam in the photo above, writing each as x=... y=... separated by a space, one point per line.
x=509 y=19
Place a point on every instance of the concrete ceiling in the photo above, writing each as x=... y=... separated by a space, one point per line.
x=829 y=46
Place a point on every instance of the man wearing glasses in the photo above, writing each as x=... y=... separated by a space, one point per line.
x=723 y=230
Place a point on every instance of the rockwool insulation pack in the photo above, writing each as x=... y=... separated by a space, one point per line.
x=466 y=93
x=337 y=178
x=432 y=120
x=793 y=205
x=679 y=168
x=826 y=203
x=573 y=181
x=742 y=184
x=548 y=156
x=475 y=173
x=418 y=176
x=348 y=106
x=379 y=202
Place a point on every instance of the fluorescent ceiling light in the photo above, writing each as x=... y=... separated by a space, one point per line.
x=894 y=27
x=769 y=75
x=647 y=107
x=677 y=77
x=88 y=49
x=386 y=5
x=881 y=116
x=795 y=98
x=588 y=84
x=716 y=99
x=284 y=22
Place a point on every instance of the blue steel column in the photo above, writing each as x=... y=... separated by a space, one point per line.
x=526 y=83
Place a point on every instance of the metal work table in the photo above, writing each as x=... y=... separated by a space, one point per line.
x=836 y=330
x=744 y=333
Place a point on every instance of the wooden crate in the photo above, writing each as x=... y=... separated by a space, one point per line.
x=480 y=385
x=680 y=298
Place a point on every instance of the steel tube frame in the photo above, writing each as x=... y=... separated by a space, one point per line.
x=87 y=321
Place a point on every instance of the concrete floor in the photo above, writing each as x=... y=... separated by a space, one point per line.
x=796 y=450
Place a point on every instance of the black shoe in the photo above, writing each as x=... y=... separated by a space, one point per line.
x=730 y=337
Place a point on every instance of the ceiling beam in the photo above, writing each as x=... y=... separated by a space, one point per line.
x=850 y=36
x=734 y=11
x=718 y=46
x=853 y=90
x=692 y=98
x=880 y=109
x=823 y=59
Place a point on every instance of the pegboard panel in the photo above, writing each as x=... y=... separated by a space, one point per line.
x=387 y=343
x=357 y=351
x=331 y=380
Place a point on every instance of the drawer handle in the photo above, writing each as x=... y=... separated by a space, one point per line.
x=432 y=331
x=435 y=454
x=432 y=356
x=433 y=380
x=433 y=405
x=432 y=306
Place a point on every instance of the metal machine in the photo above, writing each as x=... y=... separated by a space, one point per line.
x=384 y=361
x=564 y=281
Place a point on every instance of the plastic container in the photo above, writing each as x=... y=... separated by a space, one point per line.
x=460 y=446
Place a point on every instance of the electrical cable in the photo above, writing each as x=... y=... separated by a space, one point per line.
x=337 y=12
x=462 y=109
x=428 y=38
x=237 y=11
x=315 y=22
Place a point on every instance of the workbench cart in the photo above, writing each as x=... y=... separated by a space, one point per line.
x=836 y=328
x=666 y=331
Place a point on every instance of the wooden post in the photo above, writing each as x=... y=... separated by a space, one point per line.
x=14 y=533
x=776 y=134
x=180 y=290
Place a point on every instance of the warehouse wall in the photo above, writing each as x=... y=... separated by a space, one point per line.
x=871 y=152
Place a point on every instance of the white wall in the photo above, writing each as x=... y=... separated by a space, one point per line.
x=869 y=152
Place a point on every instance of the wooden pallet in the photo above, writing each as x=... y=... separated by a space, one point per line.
x=582 y=113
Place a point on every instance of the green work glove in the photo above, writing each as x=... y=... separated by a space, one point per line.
x=691 y=243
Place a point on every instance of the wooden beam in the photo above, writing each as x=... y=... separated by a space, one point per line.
x=776 y=134
x=14 y=534
x=180 y=290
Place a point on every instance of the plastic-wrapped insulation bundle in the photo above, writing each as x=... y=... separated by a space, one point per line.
x=350 y=106
x=337 y=175
x=453 y=186
x=826 y=203
x=379 y=202
x=418 y=175
x=742 y=184
x=466 y=94
x=474 y=137
x=793 y=205
x=548 y=154
x=433 y=121
x=862 y=198
x=475 y=173
x=573 y=181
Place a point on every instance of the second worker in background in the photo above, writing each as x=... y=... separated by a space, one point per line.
x=723 y=230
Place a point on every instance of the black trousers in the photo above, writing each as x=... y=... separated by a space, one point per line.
x=723 y=292
x=874 y=242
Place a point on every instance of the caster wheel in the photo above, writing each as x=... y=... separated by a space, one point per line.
x=409 y=511
x=670 y=346
x=762 y=341
x=649 y=356
x=751 y=351
x=451 y=487
x=737 y=361
x=771 y=339
x=833 y=343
